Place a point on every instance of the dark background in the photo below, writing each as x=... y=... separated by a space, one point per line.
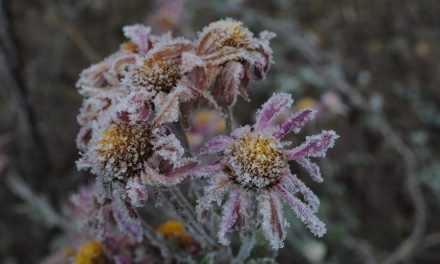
x=381 y=196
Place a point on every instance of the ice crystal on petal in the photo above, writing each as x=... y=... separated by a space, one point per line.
x=304 y=213
x=295 y=122
x=273 y=222
x=215 y=145
x=271 y=109
x=139 y=34
x=136 y=192
x=229 y=217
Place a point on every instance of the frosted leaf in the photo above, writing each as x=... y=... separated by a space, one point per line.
x=214 y=192
x=274 y=223
x=136 y=192
x=229 y=217
x=271 y=109
x=295 y=122
x=303 y=212
x=315 y=146
x=215 y=145
x=139 y=34
x=125 y=217
x=266 y=35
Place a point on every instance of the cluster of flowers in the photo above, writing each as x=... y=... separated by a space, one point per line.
x=133 y=100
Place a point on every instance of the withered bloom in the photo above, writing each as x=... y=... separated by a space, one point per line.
x=232 y=56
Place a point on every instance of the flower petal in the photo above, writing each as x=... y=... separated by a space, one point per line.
x=295 y=122
x=230 y=214
x=215 y=145
x=136 y=191
x=207 y=170
x=274 y=223
x=214 y=192
x=315 y=146
x=271 y=109
x=292 y=184
x=304 y=213
x=125 y=217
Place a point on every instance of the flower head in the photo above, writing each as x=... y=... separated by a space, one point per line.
x=232 y=56
x=253 y=161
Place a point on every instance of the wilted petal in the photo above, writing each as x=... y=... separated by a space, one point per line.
x=215 y=145
x=214 y=192
x=274 y=223
x=136 y=192
x=295 y=122
x=271 y=109
x=168 y=147
x=229 y=217
x=315 y=146
x=139 y=34
x=228 y=83
x=154 y=177
x=304 y=213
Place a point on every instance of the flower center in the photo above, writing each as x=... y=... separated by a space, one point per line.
x=158 y=74
x=240 y=36
x=123 y=148
x=256 y=161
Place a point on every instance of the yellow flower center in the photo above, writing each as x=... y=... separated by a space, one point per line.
x=256 y=161
x=240 y=36
x=124 y=148
x=90 y=253
x=161 y=75
x=174 y=229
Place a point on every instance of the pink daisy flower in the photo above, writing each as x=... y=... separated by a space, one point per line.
x=253 y=163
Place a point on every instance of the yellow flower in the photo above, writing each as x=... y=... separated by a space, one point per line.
x=306 y=102
x=174 y=229
x=90 y=253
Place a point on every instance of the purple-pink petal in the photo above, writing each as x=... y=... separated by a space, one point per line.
x=229 y=217
x=273 y=220
x=304 y=213
x=215 y=145
x=295 y=122
x=207 y=170
x=271 y=109
x=315 y=146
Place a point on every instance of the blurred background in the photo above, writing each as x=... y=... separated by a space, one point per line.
x=371 y=68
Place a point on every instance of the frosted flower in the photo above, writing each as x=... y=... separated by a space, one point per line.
x=253 y=161
x=127 y=153
x=163 y=75
x=232 y=56
x=101 y=83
